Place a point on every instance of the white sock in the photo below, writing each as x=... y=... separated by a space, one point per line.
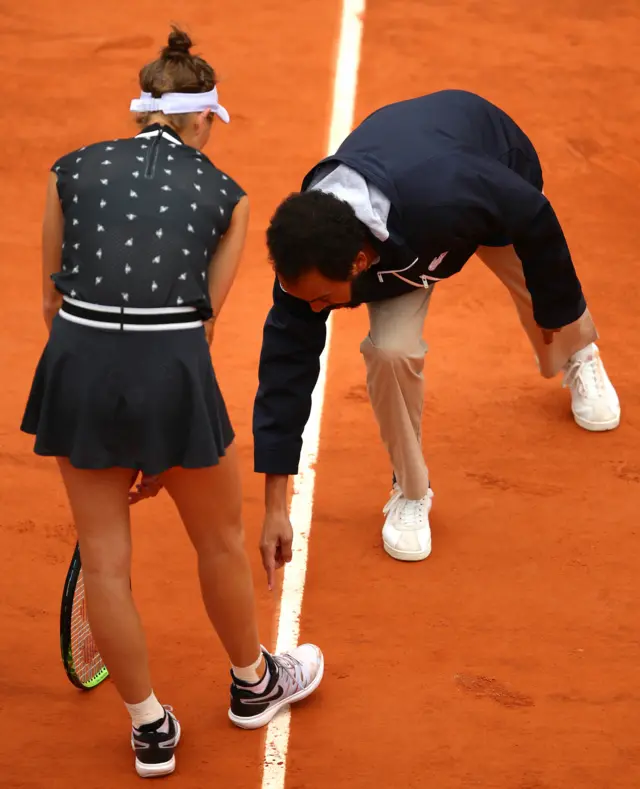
x=148 y=711
x=249 y=675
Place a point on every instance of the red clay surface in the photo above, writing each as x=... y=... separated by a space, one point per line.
x=509 y=659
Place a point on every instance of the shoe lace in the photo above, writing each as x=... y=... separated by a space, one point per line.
x=292 y=668
x=396 y=495
x=585 y=376
x=408 y=512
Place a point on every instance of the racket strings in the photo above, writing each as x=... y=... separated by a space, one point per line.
x=87 y=661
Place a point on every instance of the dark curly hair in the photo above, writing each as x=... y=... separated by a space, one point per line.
x=314 y=230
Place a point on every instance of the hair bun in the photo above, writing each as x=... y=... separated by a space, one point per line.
x=179 y=45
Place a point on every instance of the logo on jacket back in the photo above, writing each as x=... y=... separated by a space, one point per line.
x=425 y=279
x=437 y=261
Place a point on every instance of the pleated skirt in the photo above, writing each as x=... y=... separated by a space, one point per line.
x=145 y=400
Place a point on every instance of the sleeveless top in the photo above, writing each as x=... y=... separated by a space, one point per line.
x=142 y=218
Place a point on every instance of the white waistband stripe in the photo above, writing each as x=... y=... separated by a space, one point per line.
x=96 y=324
x=128 y=310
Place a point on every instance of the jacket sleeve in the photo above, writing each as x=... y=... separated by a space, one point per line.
x=485 y=199
x=293 y=339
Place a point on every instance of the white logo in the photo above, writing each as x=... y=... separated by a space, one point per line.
x=437 y=261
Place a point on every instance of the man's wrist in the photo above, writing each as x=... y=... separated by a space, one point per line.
x=275 y=493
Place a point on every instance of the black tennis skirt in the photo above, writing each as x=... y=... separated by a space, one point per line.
x=144 y=400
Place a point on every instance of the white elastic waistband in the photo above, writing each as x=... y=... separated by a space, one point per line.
x=139 y=318
x=128 y=310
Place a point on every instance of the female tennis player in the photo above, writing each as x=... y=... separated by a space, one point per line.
x=142 y=238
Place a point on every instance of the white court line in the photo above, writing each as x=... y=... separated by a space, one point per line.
x=344 y=95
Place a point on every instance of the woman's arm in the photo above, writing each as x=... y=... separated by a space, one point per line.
x=52 y=235
x=225 y=262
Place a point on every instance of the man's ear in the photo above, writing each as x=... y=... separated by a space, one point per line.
x=360 y=264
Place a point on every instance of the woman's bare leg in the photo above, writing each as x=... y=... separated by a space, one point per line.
x=100 y=506
x=209 y=501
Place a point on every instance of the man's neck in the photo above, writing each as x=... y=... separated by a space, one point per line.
x=373 y=256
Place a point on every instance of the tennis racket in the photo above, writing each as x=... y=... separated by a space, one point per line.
x=81 y=659
x=82 y=662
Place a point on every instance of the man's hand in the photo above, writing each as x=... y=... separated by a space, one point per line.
x=275 y=544
x=147 y=488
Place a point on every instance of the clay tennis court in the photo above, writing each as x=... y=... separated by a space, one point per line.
x=510 y=658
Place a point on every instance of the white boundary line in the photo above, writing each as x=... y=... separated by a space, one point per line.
x=344 y=96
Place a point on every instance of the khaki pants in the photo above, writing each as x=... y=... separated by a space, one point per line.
x=394 y=354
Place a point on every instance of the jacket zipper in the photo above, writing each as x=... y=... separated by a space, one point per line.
x=425 y=279
x=397 y=271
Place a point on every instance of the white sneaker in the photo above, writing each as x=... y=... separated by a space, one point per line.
x=406 y=533
x=293 y=676
x=594 y=401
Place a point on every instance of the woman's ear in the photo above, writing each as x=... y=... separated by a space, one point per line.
x=204 y=118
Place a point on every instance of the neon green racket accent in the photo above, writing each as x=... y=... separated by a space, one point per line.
x=82 y=661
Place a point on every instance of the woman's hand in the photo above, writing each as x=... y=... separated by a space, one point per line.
x=208 y=329
x=50 y=306
x=147 y=488
x=547 y=335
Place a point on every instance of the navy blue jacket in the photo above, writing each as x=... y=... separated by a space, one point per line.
x=459 y=173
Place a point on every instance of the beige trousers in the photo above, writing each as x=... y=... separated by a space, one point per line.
x=394 y=353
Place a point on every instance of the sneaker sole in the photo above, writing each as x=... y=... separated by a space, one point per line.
x=158 y=770
x=407 y=556
x=597 y=427
x=258 y=721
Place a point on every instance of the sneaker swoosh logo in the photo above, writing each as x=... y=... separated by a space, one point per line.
x=265 y=699
x=146 y=745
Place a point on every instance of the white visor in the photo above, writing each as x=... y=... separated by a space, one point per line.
x=174 y=103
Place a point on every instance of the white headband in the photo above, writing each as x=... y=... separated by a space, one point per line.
x=173 y=103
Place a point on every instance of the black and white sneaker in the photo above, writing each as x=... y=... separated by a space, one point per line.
x=155 y=744
x=293 y=676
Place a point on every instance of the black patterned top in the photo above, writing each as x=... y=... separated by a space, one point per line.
x=142 y=218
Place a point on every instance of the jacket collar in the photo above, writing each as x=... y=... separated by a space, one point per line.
x=154 y=129
x=395 y=246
